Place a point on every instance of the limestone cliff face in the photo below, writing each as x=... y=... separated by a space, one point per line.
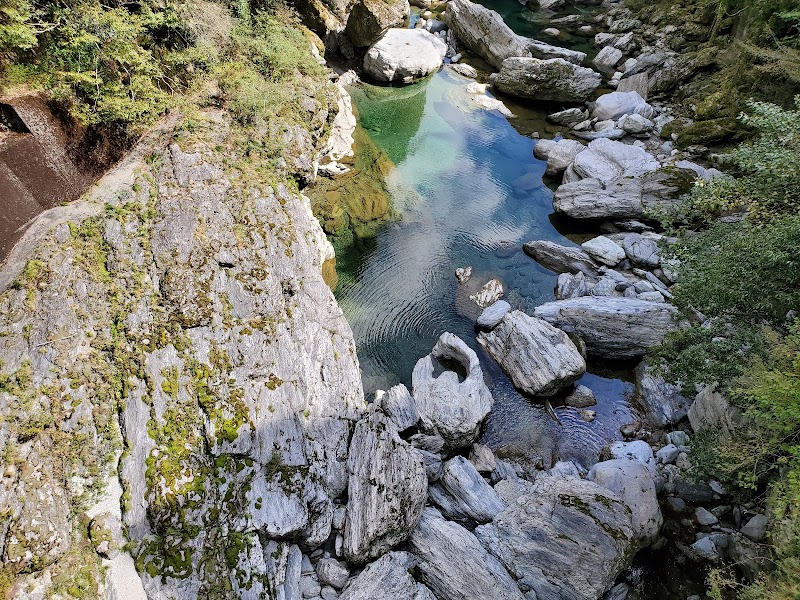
x=174 y=337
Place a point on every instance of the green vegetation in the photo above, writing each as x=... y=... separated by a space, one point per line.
x=740 y=287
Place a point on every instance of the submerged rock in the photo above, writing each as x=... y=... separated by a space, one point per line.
x=386 y=490
x=540 y=359
x=563 y=538
x=404 y=55
x=451 y=403
x=454 y=564
x=616 y=328
x=552 y=79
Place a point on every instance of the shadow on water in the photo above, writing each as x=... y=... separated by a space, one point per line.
x=468 y=192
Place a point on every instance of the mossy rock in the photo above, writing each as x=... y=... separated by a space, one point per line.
x=706 y=133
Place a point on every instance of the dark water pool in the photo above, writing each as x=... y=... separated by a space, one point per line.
x=468 y=192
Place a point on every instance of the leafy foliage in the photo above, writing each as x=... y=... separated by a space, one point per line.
x=769 y=166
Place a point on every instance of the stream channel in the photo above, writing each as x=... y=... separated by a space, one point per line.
x=467 y=190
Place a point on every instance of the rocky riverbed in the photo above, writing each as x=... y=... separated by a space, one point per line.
x=183 y=410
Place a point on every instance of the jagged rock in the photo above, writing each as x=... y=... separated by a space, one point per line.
x=581 y=397
x=388 y=578
x=561 y=259
x=636 y=124
x=605 y=286
x=608 y=160
x=369 y=18
x=332 y=572
x=615 y=105
x=705 y=548
x=463 y=274
x=571 y=286
x=399 y=405
x=462 y=494
x=662 y=403
x=559 y=155
x=635 y=83
x=493 y=314
x=484 y=32
x=454 y=565
x=386 y=491
x=607 y=59
x=711 y=409
x=623 y=41
x=404 y=55
x=552 y=79
x=640 y=250
x=617 y=328
x=633 y=483
x=448 y=407
x=482 y=458
x=540 y=359
x=563 y=538
x=756 y=528
x=433 y=464
x=604 y=250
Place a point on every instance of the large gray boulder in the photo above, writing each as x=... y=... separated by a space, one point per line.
x=388 y=578
x=454 y=564
x=661 y=402
x=605 y=250
x=404 y=55
x=463 y=495
x=633 y=482
x=448 y=407
x=386 y=491
x=617 y=328
x=369 y=18
x=622 y=197
x=561 y=259
x=484 y=32
x=562 y=537
x=540 y=359
x=614 y=105
x=399 y=405
x=553 y=79
x=607 y=160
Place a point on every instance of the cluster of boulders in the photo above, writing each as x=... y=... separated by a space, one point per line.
x=430 y=513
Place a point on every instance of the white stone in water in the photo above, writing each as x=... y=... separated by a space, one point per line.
x=490 y=293
x=493 y=314
x=463 y=274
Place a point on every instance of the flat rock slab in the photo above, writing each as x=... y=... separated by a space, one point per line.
x=616 y=328
x=540 y=359
x=463 y=495
x=607 y=160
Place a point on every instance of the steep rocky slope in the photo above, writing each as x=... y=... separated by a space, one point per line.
x=175 y=334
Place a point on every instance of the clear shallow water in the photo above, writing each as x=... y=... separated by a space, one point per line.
x=469 y=192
